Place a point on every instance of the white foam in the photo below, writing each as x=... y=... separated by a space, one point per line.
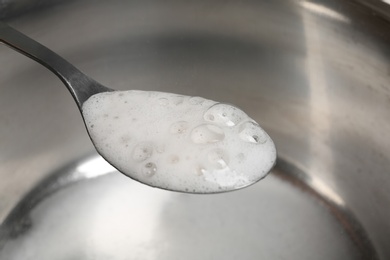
x=178 y=142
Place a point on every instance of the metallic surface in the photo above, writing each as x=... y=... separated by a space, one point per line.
x=74 y=215
x=315 y=74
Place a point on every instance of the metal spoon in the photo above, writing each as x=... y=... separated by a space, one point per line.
x=80 y=86
x=220 y=178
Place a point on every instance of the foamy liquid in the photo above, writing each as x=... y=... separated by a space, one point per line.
x=177 y=142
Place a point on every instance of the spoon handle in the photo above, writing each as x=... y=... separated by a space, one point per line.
x=80 y=85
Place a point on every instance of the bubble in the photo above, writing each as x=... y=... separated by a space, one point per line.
x=224 y=114
x=196 y=100
x=210 y=117
x=177 y=100
x=179 y=127
x=163 y=101
x=199 y=170
x=252 y=133
x=149 y=169
x=142 y=151
x=218 y=158
x=206 y=133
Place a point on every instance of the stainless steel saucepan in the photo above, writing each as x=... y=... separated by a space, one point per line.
x=315 y=74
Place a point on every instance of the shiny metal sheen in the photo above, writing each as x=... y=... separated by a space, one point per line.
x=316 y=73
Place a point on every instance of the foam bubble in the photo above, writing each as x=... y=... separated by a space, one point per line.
x=218 y=158
x=149 y=169
x=251 y=132
x=224 y=114
x=196 y=100
x=163 y=101
x=178 y=142
x=207 y=133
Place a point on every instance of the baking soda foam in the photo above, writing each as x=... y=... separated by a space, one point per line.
x=177 y=142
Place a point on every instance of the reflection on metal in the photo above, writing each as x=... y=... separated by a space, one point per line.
x=319 y=101
x=94 y=168
x=324 y=11
x=325 y=191
x=299 y=178
x=117 y=218
x=147 y=211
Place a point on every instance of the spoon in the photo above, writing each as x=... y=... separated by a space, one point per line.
x=164 y=140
